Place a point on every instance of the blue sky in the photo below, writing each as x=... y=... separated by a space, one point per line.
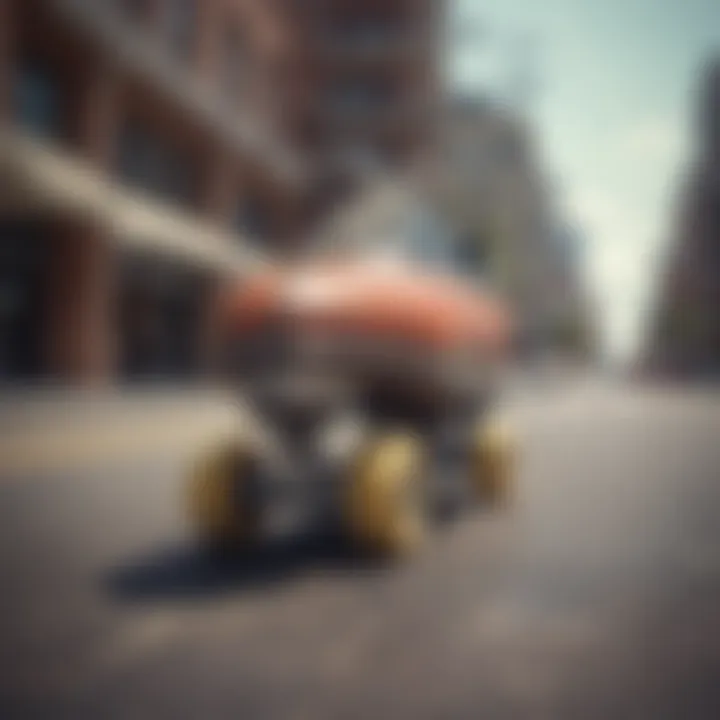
x=615 y=95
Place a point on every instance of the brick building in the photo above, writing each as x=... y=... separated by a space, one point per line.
x=149 y=146
x=360 y=89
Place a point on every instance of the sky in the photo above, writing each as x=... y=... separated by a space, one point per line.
x=613 y=99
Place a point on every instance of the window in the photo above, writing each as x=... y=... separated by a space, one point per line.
x=23 y=265
x=178 y=20
x=253 y=218
x=146 y=160
x=472 y=254
x=508 y=151
x=160 y=318
x=133 y=9
x=359 y=96
x=428 y=240
x=37 y=101
x=366 y=32
x=361 y=158
x=234 y=63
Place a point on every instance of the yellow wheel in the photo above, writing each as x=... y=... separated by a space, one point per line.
x=218 y=497
x=385 y=510
x=493 y=462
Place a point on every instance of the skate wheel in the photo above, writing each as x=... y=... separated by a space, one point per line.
x=386 y=501
x=218 y=501
x=493 y=463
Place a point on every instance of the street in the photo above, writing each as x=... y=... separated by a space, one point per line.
x=595 y=595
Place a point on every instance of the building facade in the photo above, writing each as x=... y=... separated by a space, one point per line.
x=684 y=338
x=363 y=88
x=493 y=191
x=149 y=147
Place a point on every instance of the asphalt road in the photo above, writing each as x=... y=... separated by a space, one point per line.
x=596 y=595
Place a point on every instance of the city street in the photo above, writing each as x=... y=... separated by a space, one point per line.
x=595 y=595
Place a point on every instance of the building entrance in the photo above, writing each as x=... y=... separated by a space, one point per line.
x=161 y=319
x=23 y=282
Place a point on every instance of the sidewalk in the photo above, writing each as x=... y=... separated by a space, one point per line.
x=58 y=430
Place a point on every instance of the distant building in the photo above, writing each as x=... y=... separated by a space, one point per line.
x=478 y=207
x=396 y=219
x=494 y=194
x=684 y=337
x=363 y=87
x=148 y=147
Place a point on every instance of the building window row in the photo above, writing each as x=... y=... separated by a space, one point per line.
x=177 y=22
x=144 y=157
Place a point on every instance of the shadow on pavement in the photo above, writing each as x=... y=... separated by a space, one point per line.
x=185 y=572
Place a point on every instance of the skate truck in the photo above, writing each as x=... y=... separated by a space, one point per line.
x=370 y=387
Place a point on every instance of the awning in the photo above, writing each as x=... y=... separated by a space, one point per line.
x=36 y=177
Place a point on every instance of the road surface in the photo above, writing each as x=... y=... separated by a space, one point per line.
x=597 y=595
